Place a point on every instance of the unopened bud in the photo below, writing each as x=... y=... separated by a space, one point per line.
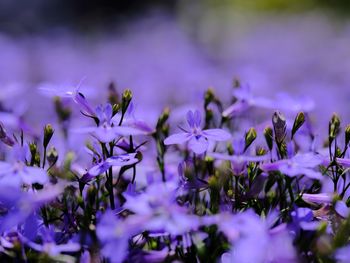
x=347 y=134
x=268 y=133
x=62 y=112
x=52 y=156
x=250 y=136
x=48 y=132
x=163 y=118
x=126 y=99
x=208 y=97
x=298 y=122
x=279 y=126
x=334 y=127
x=113 y=95
x=115 y=109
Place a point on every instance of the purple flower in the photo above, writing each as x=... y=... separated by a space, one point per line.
x=114 y=235
x=107 y=129
x=50 y=248
x=322 y=198
x=119 y=160
x=239 y=160
x=342 y=254
x=21 y=205
x=18 y=173
x=282 y=101
x=246 y=230
x=158 y=210
x=197 y=138
x=300 y=164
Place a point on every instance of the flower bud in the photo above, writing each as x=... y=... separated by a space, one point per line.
x=32 y=148
x=347 y=134
x=115 y=109
x=62 y=112
x=48 y=132
x=279 y=126
x=236 y=83
x=334 y=127
x=113 y=95
x=52 y=156
x=209 y=115
x=250 y=136
x=298 y=122
x=208 y=97
x=268 y=133
x=163 y=118
x=126 y=99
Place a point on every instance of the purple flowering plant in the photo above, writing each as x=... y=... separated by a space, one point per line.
x=102 y=184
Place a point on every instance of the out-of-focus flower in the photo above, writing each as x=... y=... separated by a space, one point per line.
x=246 y=99
x=50 y=247
x=114 y=235
x=119 y=160
x=322 y=198
x=196 y=137
x=239 y=160
x=159 y=210
x=342 y=254
x=18 y=173
x=20 y=205
x=300 y=164
x=107 y=130
x=132 y=121
x=246 y=231
x=342 y=209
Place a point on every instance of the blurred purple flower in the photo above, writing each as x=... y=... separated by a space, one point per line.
x=239 y=160
x=300 y=164
x=322 y=198
x=342 y=254
x=283 y=101
x=119 y=160
x=114 y=235
x=107 y=129
x=196 y=137
x=18 y=173
x=246 y=231
x=158 y=210
x=20 y=205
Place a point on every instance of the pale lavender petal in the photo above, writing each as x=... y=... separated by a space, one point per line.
x=5 y=168
x=216 y=134
x=323 y=198
x=122 y=160
x=344 y=162
x=190 y=118
x=31 y=175
x=198 y=144
x=177 y=138
x=235 y=109
x=197 y=118
x=342 y=209
x=105 y=133
x=99 y=169
x=126 y=131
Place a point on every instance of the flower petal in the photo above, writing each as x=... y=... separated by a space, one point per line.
x=216 y=134
x=122 y=160
x=198 y=144
x=177 y=138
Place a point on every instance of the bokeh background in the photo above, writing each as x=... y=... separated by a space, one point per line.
x=169 y=52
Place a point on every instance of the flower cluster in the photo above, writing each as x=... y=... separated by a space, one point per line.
x=100 y=184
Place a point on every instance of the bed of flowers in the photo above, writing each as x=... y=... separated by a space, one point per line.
x=221 y=183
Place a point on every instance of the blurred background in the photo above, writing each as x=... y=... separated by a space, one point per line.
x=169 y=51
